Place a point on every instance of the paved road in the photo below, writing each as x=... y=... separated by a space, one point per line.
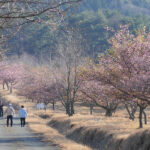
x=21 y=138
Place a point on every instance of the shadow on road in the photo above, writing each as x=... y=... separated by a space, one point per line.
x=15 y=124
x=4 y=118
x=14 y=119
x=21 y=139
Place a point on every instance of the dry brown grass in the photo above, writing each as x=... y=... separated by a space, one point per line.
x=116 y=131
x=118 y=124
x=40 y=126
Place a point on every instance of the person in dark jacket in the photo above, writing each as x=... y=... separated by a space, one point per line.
x=1 y=109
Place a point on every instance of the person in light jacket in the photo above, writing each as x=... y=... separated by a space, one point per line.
x=10 y=113
x=22 y=115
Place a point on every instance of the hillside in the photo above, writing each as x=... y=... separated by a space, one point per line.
x=126 y=7
x=90 y=20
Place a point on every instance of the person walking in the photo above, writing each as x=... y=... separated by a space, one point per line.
x=22 y=115
x=1 y=109
x=10 y=113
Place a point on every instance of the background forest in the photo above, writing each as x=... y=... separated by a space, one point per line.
x=91 y=20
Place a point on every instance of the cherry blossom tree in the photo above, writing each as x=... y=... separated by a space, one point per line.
x=10 y=74
x=126 y=67
x=39 y=86
x=103 y=96
x=70 y=55
x=3 y=66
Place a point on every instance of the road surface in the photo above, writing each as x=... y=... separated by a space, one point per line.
x=21 y=138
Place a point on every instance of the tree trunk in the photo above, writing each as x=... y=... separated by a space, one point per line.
x=7 y=85
x=71 y=108
x=132 y=113
x=53 y=105
x=127 y=108
x=140 y=117
x=108 y=112
x=3 y=85
x=91 y=109
x=45 y=107
x=5 y=82
x=10 y=88
x=67 y=105
x=145 y=117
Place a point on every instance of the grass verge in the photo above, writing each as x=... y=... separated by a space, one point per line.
x=40 y=126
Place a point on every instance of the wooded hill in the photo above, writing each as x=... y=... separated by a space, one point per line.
x=90 y=19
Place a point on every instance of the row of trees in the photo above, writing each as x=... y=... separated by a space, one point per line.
x=49 y=83
x=121 y=76
x=124 y=71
